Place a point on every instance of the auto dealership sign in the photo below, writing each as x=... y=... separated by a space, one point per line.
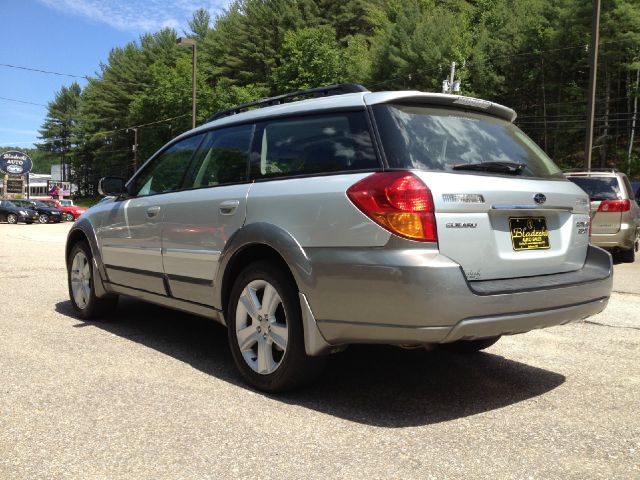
x=15 y=163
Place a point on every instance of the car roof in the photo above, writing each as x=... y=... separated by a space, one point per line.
x=361 y=100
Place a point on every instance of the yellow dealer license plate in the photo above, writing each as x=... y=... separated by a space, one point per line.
x=529 y=233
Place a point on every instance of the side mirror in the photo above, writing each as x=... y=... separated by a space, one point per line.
x=112 y=186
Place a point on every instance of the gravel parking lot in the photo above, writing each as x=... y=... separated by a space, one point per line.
x=152 y=393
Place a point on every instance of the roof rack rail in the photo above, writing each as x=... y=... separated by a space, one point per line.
x=339 y=89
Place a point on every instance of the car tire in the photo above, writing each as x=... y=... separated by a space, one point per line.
x=69 y=217
x=42 y=218
x=470 y=346
x=12 y=218
x=81 y=285
x=265 y=330
x=626 y=256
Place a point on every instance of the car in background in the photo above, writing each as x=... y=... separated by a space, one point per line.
x=72 y=212
x=11 y=213
x=45 y=213
x=615 y=214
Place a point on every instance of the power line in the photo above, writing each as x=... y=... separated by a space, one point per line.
x=43 y=71
x=105 y=132
x=108 y=132
x=22 y=101
x=71 y=75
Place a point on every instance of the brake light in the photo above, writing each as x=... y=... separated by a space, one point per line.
x=399 y=202
x=615 y=206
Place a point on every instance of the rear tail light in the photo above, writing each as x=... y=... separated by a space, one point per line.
x=615 y=206
x=398 y=201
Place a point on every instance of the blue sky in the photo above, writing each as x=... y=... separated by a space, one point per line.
x=72 y=37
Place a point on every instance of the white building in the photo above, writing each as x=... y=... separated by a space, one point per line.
x=39 y=185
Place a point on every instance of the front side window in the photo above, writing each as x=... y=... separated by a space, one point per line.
x=166 y=171
x=453 y=140
x=318 y=144
x=223 y=158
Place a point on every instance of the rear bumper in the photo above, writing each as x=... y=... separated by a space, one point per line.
x=623 y=238
x=420 y=296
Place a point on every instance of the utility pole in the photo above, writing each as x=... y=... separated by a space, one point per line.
x=593 y=73
x=191 y=43
x=633 y=122
x=453 y=74
x=451 y=85
x=135 y=147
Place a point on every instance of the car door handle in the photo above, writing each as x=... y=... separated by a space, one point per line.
x=153 y=212
x=229 y=207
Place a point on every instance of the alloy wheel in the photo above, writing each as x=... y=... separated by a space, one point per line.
x=261 y=327
x=81 y=279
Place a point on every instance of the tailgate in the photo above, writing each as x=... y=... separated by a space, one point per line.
x=494 y=227
x=604 y=222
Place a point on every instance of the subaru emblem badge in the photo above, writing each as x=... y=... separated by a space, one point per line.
x=539 y=198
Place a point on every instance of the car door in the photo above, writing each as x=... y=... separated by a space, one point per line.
x=201 y=218
x=4 y=209
x=130 y=235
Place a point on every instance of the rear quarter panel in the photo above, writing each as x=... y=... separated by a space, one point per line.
x=315 y=211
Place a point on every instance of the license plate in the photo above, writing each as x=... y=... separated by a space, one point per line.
x=529 y=233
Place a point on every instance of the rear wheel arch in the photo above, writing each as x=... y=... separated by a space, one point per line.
x=254 y=242
x=241 y=259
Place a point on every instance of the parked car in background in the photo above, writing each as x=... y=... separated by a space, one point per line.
x=45 y=213
x=615 y=214
x=72 y=212
x=402 y=218
x=12 y=213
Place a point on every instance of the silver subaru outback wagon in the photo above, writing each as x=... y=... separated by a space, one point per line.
x=304 y=226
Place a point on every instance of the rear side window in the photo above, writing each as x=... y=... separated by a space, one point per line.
x=599 y=188
x=318 y=144
x=439 y=139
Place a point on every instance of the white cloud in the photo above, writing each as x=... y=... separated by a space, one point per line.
x=138 y=15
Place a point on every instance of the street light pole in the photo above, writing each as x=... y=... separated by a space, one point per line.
x=192 y=43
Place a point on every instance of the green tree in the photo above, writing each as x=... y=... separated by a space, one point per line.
x=59 y=127
x=246 y=44
x=418 y=43
x=313 y=59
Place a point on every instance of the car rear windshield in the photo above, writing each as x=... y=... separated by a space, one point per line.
x=452 y=140
x=599 y=188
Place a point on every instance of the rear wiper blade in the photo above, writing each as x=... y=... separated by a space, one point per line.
x=497 y=167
